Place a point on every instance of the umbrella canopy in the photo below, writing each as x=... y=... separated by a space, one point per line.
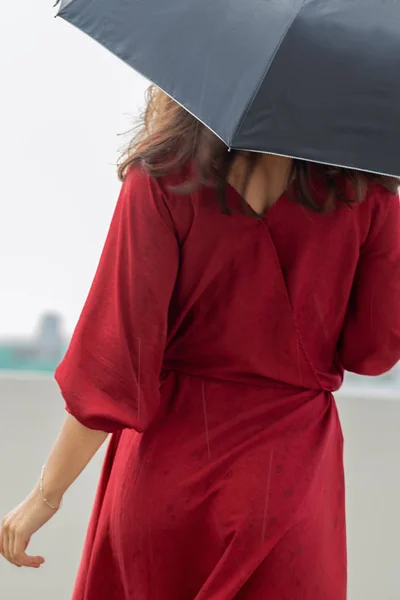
x=311 y=79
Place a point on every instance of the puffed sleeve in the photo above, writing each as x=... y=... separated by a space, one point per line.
x=110 y=375
x=370 y=341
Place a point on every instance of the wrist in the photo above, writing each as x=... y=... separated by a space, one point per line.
x=47 y=493
x=52 y=496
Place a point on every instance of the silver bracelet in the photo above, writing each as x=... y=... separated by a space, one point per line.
x=42 y=492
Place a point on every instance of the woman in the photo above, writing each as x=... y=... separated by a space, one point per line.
x=232 y=293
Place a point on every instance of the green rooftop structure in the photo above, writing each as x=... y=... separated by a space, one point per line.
x=41 y=353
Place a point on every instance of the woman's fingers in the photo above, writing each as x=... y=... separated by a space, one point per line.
x=13 y=544
x=18 y=527
x=11 y=547
x=1 y=540
x=6 y=540
x=9 y=544
x=19 y=550
x=20 y=556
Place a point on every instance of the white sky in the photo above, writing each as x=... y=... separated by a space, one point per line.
x=63 y=102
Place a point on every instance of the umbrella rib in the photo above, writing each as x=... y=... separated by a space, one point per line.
x=249 y=105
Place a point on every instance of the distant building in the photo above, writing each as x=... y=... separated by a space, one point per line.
x=42 y=352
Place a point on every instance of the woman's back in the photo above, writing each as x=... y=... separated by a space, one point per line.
x=293 y=297
x=219 y=338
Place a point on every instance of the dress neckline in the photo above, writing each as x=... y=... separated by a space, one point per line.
x=240 y=203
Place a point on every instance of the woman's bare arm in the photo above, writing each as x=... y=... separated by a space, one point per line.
x=72 y=451
x=74 y=448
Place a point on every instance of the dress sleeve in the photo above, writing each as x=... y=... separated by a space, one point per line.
x=110 y=375
x=370 y=341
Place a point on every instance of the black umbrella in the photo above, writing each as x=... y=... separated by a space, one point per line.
x=311 y=79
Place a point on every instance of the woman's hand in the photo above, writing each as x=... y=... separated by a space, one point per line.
x=74 y=448
x=18 y=527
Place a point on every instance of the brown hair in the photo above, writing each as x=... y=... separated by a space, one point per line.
x=168 y=138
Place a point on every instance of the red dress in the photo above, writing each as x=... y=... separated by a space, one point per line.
x=210 y=346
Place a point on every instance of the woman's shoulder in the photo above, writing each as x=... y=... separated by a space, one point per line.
x=163 y=193
x=379 y=205
x=378 y=192
x=379 y=199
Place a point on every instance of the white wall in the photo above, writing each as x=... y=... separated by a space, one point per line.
x=31 y=411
